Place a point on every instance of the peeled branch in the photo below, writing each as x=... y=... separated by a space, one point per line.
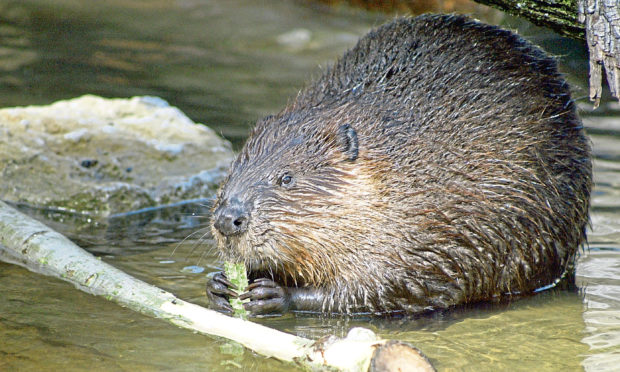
x=29 y=243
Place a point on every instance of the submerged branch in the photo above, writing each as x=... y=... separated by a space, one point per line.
x=29 y=243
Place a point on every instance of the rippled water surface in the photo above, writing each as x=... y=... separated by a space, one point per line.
x=226 y=63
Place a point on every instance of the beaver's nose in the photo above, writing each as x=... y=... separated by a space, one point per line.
x=231 y=218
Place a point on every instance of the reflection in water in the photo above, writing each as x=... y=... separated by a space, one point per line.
x=226 y=63
x=599 y=270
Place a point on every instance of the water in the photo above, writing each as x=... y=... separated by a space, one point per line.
x=226 y=63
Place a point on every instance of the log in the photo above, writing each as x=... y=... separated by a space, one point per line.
x=559 y=15
x=31 y=244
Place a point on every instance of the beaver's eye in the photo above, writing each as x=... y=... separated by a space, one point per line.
x=286 y=180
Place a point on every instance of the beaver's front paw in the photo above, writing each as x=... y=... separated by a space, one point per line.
x=266 y=297
x=218 y=292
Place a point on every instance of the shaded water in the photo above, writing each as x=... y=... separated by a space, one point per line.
x=226 y=63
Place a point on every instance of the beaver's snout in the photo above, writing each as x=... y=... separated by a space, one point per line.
x=231 y=218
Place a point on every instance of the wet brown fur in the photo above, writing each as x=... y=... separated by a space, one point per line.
x=472 y=180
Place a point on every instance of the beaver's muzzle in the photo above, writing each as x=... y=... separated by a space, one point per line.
x=231 y=218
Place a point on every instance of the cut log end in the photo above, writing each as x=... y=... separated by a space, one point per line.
x=399 y=356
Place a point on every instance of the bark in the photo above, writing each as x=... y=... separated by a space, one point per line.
x=29 y=243
x=558 y=15
x=602 y=21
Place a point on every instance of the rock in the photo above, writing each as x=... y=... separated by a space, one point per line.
x=98 y=157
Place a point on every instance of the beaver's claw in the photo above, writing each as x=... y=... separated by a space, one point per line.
x=218 y=292
x=266 y=297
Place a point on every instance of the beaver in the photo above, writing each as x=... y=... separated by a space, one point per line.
x=439 y=162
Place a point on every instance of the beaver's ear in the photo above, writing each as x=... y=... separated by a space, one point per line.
x=347 y=138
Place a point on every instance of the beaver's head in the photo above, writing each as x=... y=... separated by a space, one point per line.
x=290 y=195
